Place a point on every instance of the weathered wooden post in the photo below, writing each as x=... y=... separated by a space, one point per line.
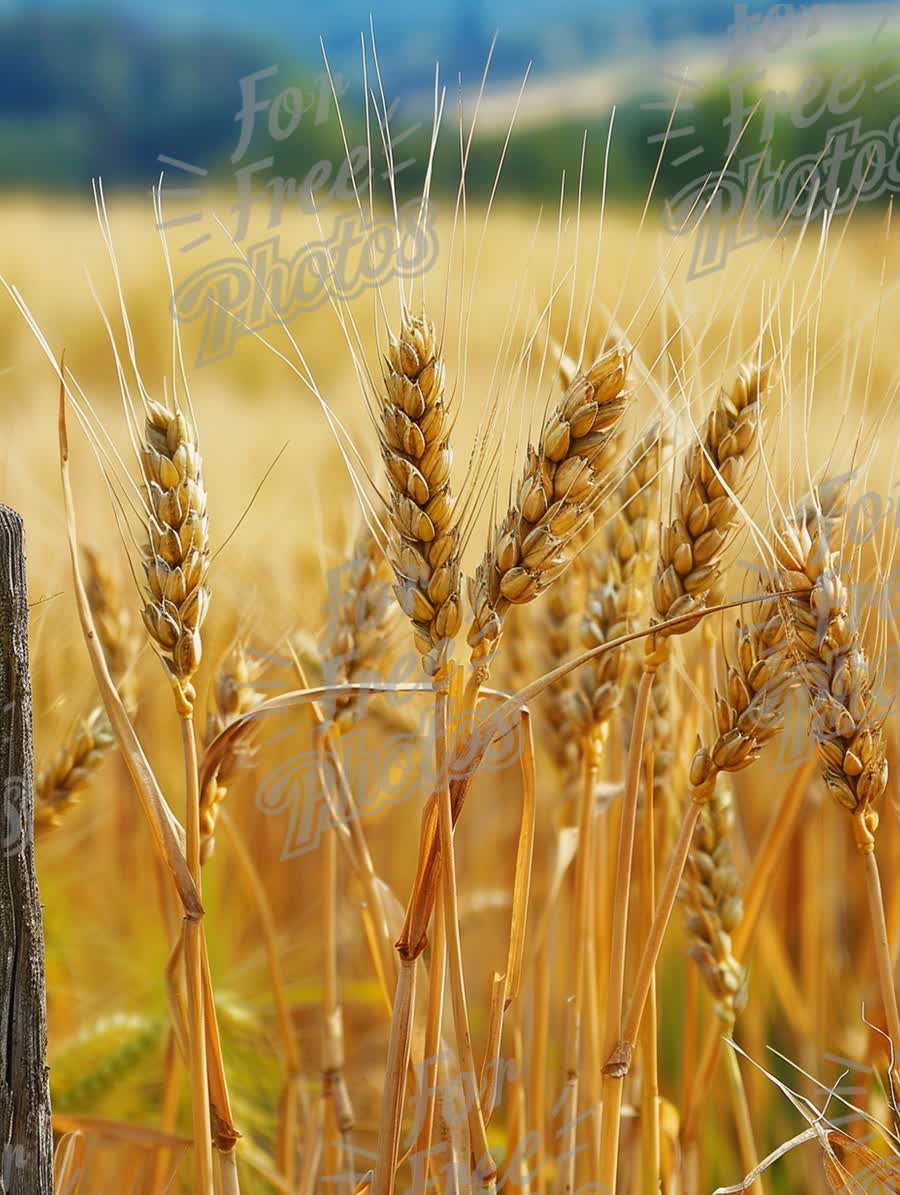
x=26 y=1138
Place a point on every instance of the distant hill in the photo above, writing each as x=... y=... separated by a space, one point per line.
x=86 y=93
x=83 y=94
x=566 y=34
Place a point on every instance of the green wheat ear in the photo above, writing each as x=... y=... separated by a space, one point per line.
x=103 y=1056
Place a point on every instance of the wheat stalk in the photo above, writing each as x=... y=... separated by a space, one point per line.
x=423 y=548
x=352 y=645
x=714 y=475
x=176 y=562
x=617 y=575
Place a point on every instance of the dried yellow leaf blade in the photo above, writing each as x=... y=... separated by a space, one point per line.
x=862 y=1165
x=68 y=1162
x=524 y=856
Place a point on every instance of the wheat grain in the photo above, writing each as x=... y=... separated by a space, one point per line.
x=561 y=626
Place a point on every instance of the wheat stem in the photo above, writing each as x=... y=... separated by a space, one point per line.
x=384 y=1178
x=485 y=1169
x=226 y=1164
x=433 y=1024
x=612 y=1088
x=193 y=959
x=655 y=937
x=334 y=1084
x=537 y=1084
x=590 y=768
x=650 y=1140
x=883 y=960
x=742 y=1119
x=286 y=1144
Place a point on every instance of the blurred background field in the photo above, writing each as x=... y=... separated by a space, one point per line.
x=90 y=93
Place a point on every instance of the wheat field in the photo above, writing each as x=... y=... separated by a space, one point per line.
x=686 y=445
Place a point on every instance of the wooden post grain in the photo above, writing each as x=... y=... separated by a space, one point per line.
x=26 y=1138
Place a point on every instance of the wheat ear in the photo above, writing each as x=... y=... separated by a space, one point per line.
x=353 y=642
x=562 y=485
x=57 y=785
x=715 y=909
x=69 y=772
x=424 y=546
x=617 y=582
x=713 y=904
x=176 y=556
x=115 y=628
x=833 y=665
x=560 y=625
x=233 y=696
x=714 y=475
x=831 y=659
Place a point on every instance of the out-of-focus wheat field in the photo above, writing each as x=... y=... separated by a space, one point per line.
x=280 y=528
